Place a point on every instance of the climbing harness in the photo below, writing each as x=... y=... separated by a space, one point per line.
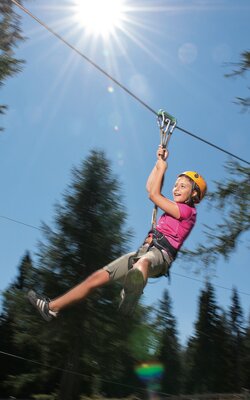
x=161 y=243
x=166 y=123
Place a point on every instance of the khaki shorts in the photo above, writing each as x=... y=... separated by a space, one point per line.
x=159 y=264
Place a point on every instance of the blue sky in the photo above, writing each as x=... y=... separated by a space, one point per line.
x=173 y=55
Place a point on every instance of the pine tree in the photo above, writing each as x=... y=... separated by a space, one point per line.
x=201 y=355
x=90 y=338
x=15 y=340
x=236 y=323
x=246 y=358
x=90 y=235
x=169 y=348
x=188 y=363
x=222 y=368
x=10 y=36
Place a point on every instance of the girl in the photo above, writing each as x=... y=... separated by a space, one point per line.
x=154 y=257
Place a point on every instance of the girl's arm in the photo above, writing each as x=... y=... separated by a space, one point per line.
x=151 y=178
x=154 y=188
x=161 y=153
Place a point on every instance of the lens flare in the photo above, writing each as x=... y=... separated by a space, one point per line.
x=149 y=372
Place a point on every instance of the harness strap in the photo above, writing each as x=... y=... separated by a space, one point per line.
x=158 y=240
x=161 y=242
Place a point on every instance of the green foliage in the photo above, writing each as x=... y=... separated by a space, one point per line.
x=232 y=198
x=246 y=358
x=91 y=348
x=213 y=357
x=237 y=340
x=169 y=348
x=9 y=38
x=240 y=69
x=88 y=234
x=242 y=66
x=142 y=340
x=202 y=344
x=13 y=328
x=223 y=366
x=108 y=347
x=44 y=397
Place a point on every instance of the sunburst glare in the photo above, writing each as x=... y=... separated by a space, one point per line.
x=103 y=29
x=99 y=17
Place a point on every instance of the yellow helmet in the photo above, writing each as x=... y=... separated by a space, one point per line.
x=199 y=181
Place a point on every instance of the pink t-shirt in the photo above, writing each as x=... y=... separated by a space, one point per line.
x=177 y=230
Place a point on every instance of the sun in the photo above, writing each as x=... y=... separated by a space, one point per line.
x=100 y=17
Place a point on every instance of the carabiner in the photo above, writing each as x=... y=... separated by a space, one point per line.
x=167 y=123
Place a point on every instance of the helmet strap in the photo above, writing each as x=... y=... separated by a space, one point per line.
x=193 y=199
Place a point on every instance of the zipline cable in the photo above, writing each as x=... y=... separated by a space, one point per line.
x=199 y=280
x=197 y=331
x=72 y=372
x=172 y=273
x=83 y=55
x=21 y=223
x=25 y=10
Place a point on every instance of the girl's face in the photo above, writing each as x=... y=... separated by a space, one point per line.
x=182 y=189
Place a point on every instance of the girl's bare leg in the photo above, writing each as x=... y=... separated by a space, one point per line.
x=135 y=281
x=79 y=292
x=143 y=265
